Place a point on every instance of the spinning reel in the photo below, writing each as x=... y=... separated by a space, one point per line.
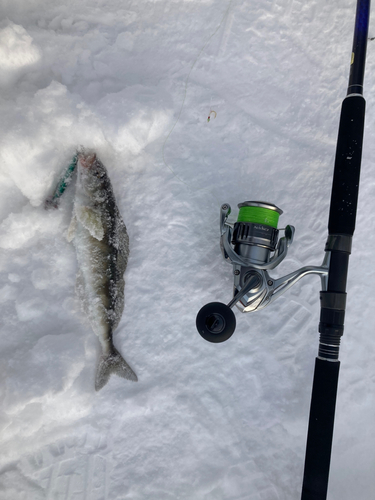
x=252 y=246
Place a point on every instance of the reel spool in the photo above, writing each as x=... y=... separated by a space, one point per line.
x=255 y=233
x=253 y=247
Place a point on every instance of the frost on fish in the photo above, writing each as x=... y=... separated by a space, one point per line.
x=102 y=246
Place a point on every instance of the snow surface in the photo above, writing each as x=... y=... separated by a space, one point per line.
x=136 y=81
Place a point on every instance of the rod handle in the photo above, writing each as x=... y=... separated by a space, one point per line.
x=344 y=196
x=320 y=434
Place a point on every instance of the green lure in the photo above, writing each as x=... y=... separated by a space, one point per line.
x=64 y=181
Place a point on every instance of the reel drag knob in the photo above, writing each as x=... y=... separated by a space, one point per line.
x=216 y=322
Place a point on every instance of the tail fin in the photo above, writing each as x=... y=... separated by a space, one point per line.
x=113 y=363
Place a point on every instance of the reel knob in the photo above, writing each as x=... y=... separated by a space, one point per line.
x=216 y=322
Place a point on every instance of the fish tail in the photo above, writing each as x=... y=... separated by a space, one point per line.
x=112 y=363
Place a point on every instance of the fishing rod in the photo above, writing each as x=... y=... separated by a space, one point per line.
x=341 y=225
x=253 y=248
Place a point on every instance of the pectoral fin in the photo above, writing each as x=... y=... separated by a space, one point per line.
x=91 y=220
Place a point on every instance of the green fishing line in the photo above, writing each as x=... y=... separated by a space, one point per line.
x=259 y=215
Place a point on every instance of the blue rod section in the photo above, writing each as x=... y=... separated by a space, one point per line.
x=357 y=66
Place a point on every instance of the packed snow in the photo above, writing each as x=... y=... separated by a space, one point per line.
x=136 y=82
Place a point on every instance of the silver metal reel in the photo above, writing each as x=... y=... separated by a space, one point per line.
x=252 y=257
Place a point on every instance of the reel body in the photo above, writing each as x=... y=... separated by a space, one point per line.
x=253 y=247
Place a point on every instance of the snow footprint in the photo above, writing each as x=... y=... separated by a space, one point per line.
x=69 y=471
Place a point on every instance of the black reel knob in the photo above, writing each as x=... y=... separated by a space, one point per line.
x=216 y=322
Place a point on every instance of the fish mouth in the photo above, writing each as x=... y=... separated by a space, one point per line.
x=87 y=160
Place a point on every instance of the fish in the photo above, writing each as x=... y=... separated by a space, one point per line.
x=101 y=241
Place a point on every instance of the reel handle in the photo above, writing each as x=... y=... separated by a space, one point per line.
x=216 y=322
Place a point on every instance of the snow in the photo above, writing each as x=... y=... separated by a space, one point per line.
x=136 y=81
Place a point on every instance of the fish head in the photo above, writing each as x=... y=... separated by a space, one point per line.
x=92 y=175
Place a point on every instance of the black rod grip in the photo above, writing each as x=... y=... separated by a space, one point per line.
x=347 y=169
x=320 y=434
